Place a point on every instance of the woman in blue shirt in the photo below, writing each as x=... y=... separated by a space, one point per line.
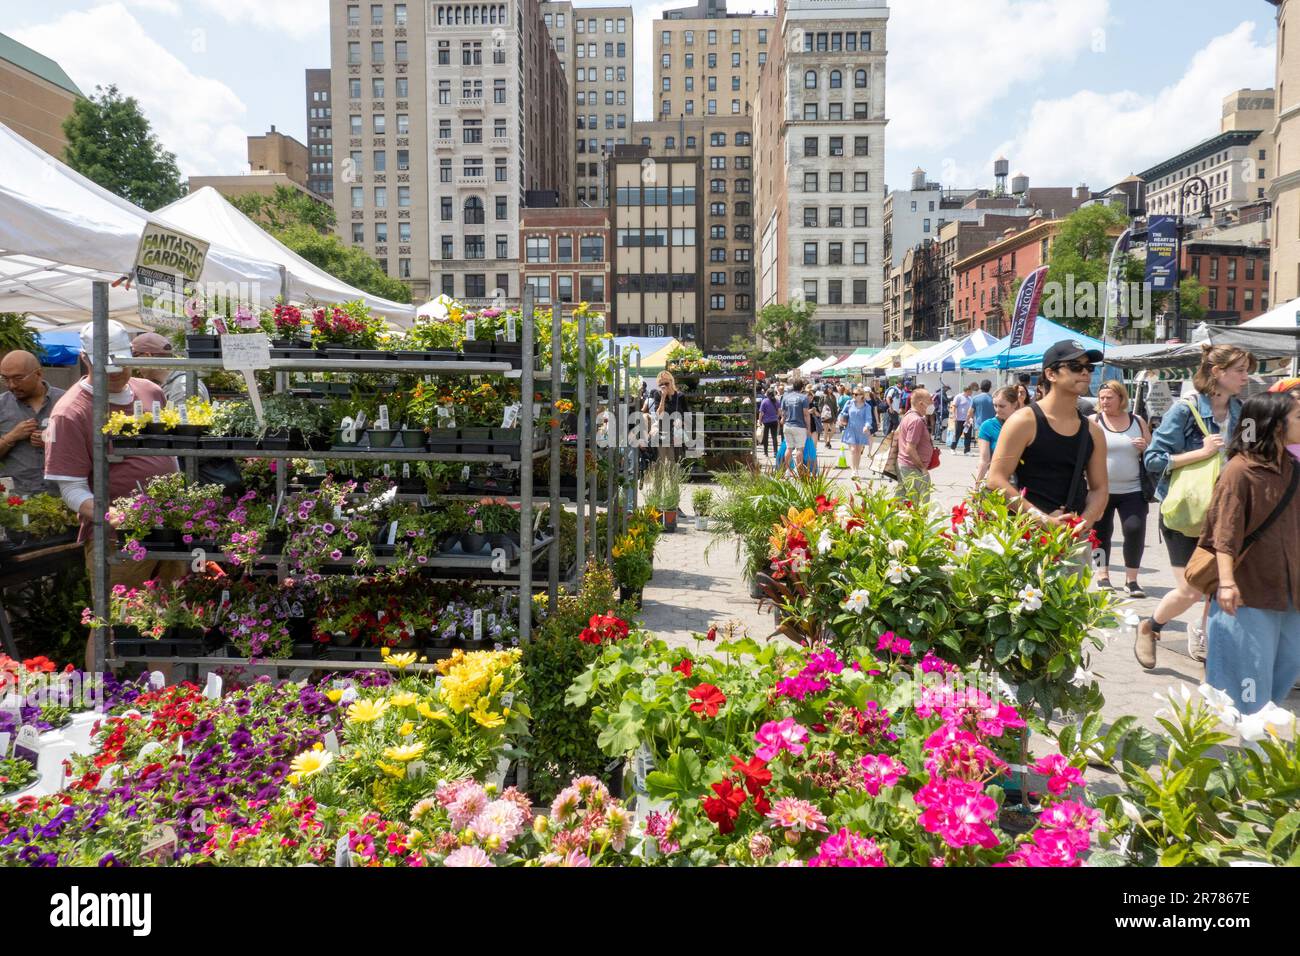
x=1005 y=402
x=1178 y=442
x=859 y=422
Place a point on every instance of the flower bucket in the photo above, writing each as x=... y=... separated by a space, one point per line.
x=669 y=519
x=701 y=523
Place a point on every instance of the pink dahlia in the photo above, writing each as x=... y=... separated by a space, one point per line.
x=467 y=856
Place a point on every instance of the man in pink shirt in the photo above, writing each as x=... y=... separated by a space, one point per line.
x=915 y=448
x=69 y=450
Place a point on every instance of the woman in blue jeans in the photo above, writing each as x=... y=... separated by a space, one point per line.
x=1254 y=627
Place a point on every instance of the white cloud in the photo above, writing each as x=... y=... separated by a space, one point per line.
x=169 y=7
x=194 y=116
x=950 y=63
x=298 y=18
x=1116 y=134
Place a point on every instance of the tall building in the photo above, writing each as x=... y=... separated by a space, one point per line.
x=36 y=96
x=594 y=45
x=1284 y=189
x=320 y=134
x=656 y=216
x=820 y=152
x=567 y=253
x=438 y=96
x=273 y=152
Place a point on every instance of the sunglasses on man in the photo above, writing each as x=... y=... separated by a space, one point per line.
x=1078 y=368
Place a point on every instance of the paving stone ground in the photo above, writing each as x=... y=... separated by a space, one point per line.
x=692 y=590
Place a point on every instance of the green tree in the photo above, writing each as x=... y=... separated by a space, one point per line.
x=110 y=141
x=287 y=207
x=1082 y=252
x=783 y=338
x=348 y=263
x=15 y=336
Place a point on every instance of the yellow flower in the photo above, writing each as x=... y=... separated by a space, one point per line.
x=334 y=695
x=404 y=753
x=483 y=717
x=310 y=762
x=406 y=729
x=403 y=699
x=366 y=711
x=401 y=661
x=396 y=772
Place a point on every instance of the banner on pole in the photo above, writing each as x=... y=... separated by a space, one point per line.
x=1162 y=253
x=1025 y=315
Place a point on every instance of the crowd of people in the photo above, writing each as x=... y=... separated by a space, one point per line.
x=1221 y=473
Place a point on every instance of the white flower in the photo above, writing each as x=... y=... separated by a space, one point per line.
x=857 y=601
x=1129 y=618
x=825 y=542
x=1221 y=704
x=1130 y=810
x=960 y=548
x=990 y=543
x=900 y=573
x=897 y=547
x=1082 y=678
x=799 y=561
x=1271 y=721
x=1031 y=599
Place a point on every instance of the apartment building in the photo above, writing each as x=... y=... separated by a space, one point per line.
x=656 y=215
x=707 y=67
x=320 y=134
x=594 y=46
x=36 y=96
x=567 y=256
x=1284 y=189
x=454 y=111
x=273 y=152
x=820 y=145
x=983 y=281
x=957 y=240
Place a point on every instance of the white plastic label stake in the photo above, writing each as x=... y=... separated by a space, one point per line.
x=4 y=745
x=342 y=854
x=478 y=625
x=138 y=408
x=151 y=747
x=332 y=742
x=406 y=469
x=213 y=690
x=156 y=680
x=388 y=471
x=508 y=699
x=382 y=422
x=512 y=333
x=511 y=416
x=478 y=525
x=156 y=409
x=469 y=329
x=246 y=353
x=392 y=533
x=464 y=473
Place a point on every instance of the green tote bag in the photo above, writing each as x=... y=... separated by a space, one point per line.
x=1190 y=490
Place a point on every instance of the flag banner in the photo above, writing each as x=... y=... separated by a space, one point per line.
x=1162 y=253
x=1026 y=312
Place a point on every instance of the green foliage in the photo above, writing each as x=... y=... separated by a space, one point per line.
x=1082 y=251
x=110 y=141
x=286 y=207
x=15 y=336
x=46 y=615
x=563 y=741
x=664 y=480
x=344 y=262
x=752 y=504
x=702 y=501
x=783 y=338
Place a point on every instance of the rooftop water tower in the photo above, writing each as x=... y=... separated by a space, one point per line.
x=1001 y=169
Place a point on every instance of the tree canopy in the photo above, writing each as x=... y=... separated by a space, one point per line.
x=287 y=207
x=783 y=338
x=111 y=142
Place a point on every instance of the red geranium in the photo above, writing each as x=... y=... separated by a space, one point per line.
x=755 y=772
x=707 y=700
x=603 y=629
x=713 y=634
x=825 y=504
x=725 y=807
x=684 y=667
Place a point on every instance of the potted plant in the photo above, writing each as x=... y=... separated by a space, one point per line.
x=702 y=502
x=633 y=567
x=45 y=517
x=200 y=343
x=664 y=490
x=234 y=425
x=345 y=331
x=292 y=335
x=501 y=525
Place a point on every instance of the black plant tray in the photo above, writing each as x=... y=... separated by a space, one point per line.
x=356 y=654
x=142 y=647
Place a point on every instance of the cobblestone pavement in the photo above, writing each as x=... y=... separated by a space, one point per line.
x=691 y=590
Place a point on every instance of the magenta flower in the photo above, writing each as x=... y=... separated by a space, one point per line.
x=958 y=811
x=1060 y=775
x=775 y=736
x=848 y=849
x=880 y=770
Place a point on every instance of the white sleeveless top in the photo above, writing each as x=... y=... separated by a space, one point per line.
x=1122 y=458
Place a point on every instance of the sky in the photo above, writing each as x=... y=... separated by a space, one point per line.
x=1071 y=91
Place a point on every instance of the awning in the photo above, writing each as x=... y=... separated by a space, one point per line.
x=1030 y=355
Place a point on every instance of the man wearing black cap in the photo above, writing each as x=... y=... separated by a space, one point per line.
x=1058 y=457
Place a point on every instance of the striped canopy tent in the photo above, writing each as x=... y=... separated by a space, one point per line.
x=851 y=365
x=883 y=363
x=944 y=356
x=1030 y=355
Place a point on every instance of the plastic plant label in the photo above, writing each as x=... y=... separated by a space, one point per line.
x=151 y=747
x=392 y=533
x=382 y=422
x=213 y=689
x=416 y=769
x=464 y=473
x=512 y=332
x=246 y=353
x=27 y=745
x=342 y=853
x=478 y=525
x=185 y=414
x=138 y=408
x=4 y=744
x=388 y=471
x=156 y=409
x=200 y=560
x=406 y=469
x=26 y=519
x=510 y=418
x=508 y=699
x=296 y=610
x=349 y=695
x=160 y=845
x=156 y=680
x=469 y=329
x=332 y=742
x=107 y=778
x=225 y=598
x=338 y=513
x=478 y=624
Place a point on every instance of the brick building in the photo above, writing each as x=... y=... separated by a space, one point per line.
x=984 y=279
x=566 y=256
x=1235 y=275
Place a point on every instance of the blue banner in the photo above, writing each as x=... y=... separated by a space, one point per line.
x=1162 y=253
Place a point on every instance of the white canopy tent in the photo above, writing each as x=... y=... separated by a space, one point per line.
x=815 y=365
x=935 y=353
x=59 y=232
x=1284 y=316
x=208 y=215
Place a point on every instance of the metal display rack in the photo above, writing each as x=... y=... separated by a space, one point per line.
x=728 y=441
x=519 y=572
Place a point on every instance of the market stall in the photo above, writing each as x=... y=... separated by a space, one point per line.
x=1000 y=355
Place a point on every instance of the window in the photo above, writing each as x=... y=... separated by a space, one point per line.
x=860 y=111
x=445 y=209
x=1248 y=300
x=475 y=248
x=354 y=91
x=836 y=184
x=404 y=197
x=717 y=255
x=835 y=217
x=713 y=107
x=380 y=124
x=502 y=208
x=859 y=182
x=354 y=15
x=837 y=146
x=474 y=210
x=354 y=53
x=713 y=61
x=622 y=26
x=810 y=111
x=743 y=139
x=859 y=291
x=358 y=233
x=354 y=123
x=717 y=303
x=1214 y=269
x=591 y=288
x=717 y=209
x=564 y=288
x=810 y=145
x=381 y=161
x=592 y=248
x=860 y=146
x=810 y=80
x=403 y=124
x=836 y=111
x=381 y=232
x=400 y=52
x=810 y=253
x=835 y=253
x=403 y=86
x=1214 y=300
x=1196 y=266
x=859 y=253
x=735 y=83
x=717 y=139
x=762 y=58
x=1232 y=272
x=444 y=52
x=665 y=38
x=717 y=185
x=473 y=132
x=690 y=37
x=810 y=182
x=834 y=288
x=810 y=291
x=377 y=51
x=735 y=60
x=501 y=170
x=358 y=197
x=1250 y=268
x=836 y=78
x=537 y=249
x=717 y=162
x=717 y=232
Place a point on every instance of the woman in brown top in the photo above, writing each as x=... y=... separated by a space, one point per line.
x=1254 y=628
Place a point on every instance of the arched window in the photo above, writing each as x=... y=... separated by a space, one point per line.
x=860 y=79
x=810 y=80
x=836 y=80
x=474 y=210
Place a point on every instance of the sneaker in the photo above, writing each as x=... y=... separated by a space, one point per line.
x=1135 y=590
x=1197 y=645
x=1103 y=584
x=1144 y=648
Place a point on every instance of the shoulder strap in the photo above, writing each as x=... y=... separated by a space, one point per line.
x=1085 y=445
x=1277 y=511
x=1196 y=414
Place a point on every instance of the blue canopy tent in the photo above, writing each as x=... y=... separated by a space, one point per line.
x=59 y=348
x=1030 y=355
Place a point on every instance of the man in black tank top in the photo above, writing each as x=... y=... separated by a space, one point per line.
x=1057 y=457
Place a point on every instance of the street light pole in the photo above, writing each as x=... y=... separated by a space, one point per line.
x=1196 y=186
